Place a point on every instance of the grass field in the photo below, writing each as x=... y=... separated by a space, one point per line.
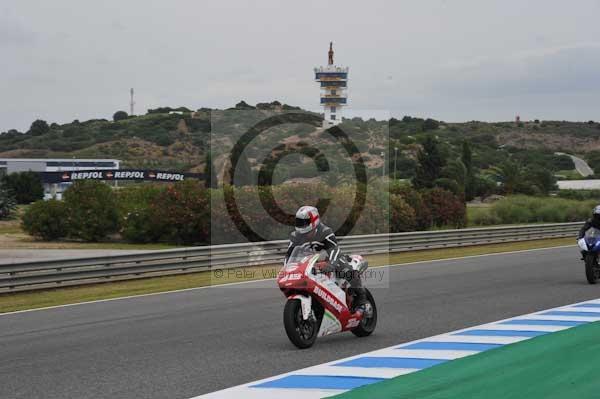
x=68 y=295
x=479 y=215
x=571 y=174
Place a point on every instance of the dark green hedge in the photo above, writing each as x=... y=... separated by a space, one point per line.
x=187 y=213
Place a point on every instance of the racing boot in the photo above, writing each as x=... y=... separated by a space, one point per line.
x=361 y=302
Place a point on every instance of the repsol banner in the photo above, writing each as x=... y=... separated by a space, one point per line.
x=122 y=174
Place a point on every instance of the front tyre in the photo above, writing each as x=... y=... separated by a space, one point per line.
x=591 y=268
x=302 y=333
x=367 y=325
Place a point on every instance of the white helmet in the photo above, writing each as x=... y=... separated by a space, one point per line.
x=307 y=219
x=596 y=210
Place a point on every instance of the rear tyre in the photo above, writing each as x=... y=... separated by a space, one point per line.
x=302 y=333
x=591 y=268
x=367 y=325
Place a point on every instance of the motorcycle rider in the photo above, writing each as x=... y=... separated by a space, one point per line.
x=593 y=222
x=312 y=233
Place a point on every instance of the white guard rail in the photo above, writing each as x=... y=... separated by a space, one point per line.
x=64 y=272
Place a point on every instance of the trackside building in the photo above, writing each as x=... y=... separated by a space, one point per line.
x=12 y=165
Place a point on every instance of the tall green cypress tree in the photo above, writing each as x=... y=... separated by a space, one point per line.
x=8 y=202
x=467 y=160
x=429 y=164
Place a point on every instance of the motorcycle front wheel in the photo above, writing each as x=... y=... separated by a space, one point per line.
x=591 y=268
x=367 y=325
x=302 y=333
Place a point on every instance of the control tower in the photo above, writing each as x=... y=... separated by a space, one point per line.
x=334 y=81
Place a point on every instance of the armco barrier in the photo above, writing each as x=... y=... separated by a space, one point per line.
x=64 y=272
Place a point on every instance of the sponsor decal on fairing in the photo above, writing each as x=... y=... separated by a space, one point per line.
x=328 y=298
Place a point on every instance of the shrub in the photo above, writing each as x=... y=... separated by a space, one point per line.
x=509 y=213
x=580 y=195
x=93 y=212
x=183 y=211
x=449 y=185
x=402 y=216
x=482 y=216
x=430 y=124
x=405 y=168
x=541 y=178
x=446 y=208
x=140 y=226
x=484 y=186
x=135 y=207
x=593 y=159
x=39 y=127
x=47 y=220
x=26 y=186
x=120 y=115
x=372 y=219
x=524 y=209
x=562 y=162
x=423 y=217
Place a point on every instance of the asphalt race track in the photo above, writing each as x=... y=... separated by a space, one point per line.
x=180 y=345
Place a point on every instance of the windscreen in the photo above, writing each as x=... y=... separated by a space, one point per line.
x=592 y=233
x=300 y=253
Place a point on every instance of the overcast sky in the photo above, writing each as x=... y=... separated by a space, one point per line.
x=453 y=60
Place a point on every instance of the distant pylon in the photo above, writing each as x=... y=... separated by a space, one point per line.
x=131 y=102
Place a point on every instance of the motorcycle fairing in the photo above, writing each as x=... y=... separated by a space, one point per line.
x=329 y=324
x=305 y=304
x=329 y=283
x=591 y=240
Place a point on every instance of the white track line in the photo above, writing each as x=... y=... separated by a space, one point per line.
x=249 y=390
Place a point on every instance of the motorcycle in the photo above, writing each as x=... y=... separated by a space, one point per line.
x=320 y=304
x=590 y=247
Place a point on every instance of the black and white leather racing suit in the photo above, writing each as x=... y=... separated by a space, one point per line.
x=323 y=238
x=593 y=222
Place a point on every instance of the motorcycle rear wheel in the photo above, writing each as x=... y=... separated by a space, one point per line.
x=592 y=269
x=302 y=333
x=367 y=326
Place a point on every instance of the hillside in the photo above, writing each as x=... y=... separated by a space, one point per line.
x=178 y=140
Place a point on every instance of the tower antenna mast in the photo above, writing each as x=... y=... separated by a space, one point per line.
x=131 y=102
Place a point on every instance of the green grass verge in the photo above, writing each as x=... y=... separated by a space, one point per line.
x=478 y=216
x=553 y=366
x=67 y=295
x=571 y=174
